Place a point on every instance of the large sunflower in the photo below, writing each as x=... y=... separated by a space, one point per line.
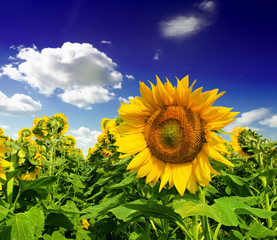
x=172 y=130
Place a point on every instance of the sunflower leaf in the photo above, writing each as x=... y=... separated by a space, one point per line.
x=219 y=212
x=258 y=230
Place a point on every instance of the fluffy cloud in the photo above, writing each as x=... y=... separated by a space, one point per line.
x=18 y=105
x=85 y=137
x=190 y=24
x=72 y=67
x=271 y=122
x=124 y=100
x=248 y=118
x=83 y=97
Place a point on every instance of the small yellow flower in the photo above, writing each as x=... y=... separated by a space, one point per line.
x=85 y=224
x=106 y=152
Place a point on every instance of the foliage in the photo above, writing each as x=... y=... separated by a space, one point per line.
x=50 y=191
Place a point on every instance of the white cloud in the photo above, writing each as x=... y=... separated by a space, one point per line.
x=122 y=99
x=71 y=67
x=83 y=97
x=208 y=6
x=157 y=54
x=106 y=42
x=271 y=122
x=5 y=127
x=183 y=26
x=18 y=105
x=248 y=118
x=85 y=138
x=129 y=76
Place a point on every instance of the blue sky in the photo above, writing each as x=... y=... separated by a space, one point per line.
x=81 y=58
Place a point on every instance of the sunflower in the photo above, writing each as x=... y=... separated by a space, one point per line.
x=70 y=141
x=104 y=122
x=242 y=140
x=25 y=134
x=58 y=124
x=173 y=131
x=39 y=129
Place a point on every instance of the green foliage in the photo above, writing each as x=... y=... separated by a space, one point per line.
x=52 y=192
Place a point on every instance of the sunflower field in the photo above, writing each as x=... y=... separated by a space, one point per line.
x=160 y=170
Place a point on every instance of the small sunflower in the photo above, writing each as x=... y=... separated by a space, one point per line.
x=25 y=133
x=40 y=129
x=70 y=141
x=243 y=140
x=172 y=130
x=58 y=124
x=106 y=152
x=104 y=122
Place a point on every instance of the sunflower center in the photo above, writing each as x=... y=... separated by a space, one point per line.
x=174 y=134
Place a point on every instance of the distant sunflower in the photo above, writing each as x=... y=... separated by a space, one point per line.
x=39 y=129
x=25 y=133
x=240 y=140
x=58 y=124
x=172 y=130
x=70 y=141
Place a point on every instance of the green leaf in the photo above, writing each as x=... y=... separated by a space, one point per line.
x=125 y=182
x=241 y=208
x=218 y=212
x=60 y=161
x=36 y=184
x=57 y=236
x=58 y=219
x=104 y=206
x=124 y=213
x=258 y=230
x=152 y=209
x=236 y=184
x=24 y=226
x=3 y=212
x=269 y=173
x=83 y=234
x=235 y=235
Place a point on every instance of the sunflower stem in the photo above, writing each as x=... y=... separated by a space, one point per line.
x=216 y=231
x=204 y=219
x=195 y=226
x=186 y=230
x=11 y=180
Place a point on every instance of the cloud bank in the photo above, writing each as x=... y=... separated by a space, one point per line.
x=80 y=71
x=18 y=105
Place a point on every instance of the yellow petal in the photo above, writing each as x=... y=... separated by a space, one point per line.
x=216 y=155
x=139 y=159
x=131 y=144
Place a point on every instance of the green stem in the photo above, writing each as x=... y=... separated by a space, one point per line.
x=15 y=201
x=186 y=230
x=204 y=219
x=154 y=227
x=195 y=226
x=216 y=231
x=267 y=204
x=11 y=180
